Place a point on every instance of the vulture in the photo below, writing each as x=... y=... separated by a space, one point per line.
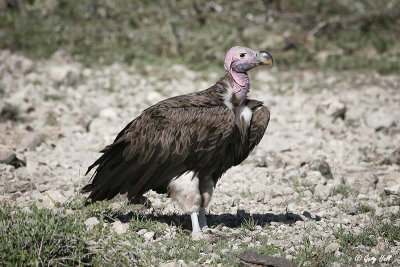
x=182 y=145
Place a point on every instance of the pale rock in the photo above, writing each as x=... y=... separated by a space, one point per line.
x=332 y=108
x=381 y=247
x=286 y=191
x=91 y=222
x=153 y=97
x=62 y=70
x=6 y=155
x=379 y=120
x=8 y=112
x=167 y=264
x=182 y=69
x=321 y=166
x=56 y=196
x=65 y=74
x=45 y=203
x=259 y=197
x=307 y=194
x=142 y=231
x=26 y=209
x=379 y=212
x=247 y=239
x=291 y=207
x=276 y=201
x=324 y=191
x=393 y=190
x=393 y=158
x=120 y=228
x=315 y=178
x=18 y=64
x=108 y=113
x=332 y=247
x=149 y=235
x=272 y=159
x=265 y=77
x=225 y=251
x=338 y=254
x=36 y=195
x=31 y=141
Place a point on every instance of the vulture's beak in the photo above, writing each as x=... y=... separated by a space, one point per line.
x=264 y=58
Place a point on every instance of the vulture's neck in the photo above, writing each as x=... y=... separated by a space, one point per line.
x=232 y=89
x=241 y=84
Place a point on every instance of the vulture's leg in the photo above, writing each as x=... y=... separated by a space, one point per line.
x=206 y=190
x=185 y=191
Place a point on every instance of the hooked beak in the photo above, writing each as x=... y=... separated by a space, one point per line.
x=264 y=58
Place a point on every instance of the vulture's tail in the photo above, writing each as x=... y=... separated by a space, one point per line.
x=111 y=173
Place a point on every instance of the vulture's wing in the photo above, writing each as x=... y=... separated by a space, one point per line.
x=258 y=126
x=259 y=122
x=163 y=142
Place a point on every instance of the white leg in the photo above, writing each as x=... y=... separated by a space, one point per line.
x=196 y=230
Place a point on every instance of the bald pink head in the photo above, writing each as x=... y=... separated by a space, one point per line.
x=242 y=59
x=238 y=61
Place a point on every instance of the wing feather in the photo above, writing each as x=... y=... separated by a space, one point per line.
x=163 y=142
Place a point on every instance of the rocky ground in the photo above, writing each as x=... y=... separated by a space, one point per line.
x=327 y=168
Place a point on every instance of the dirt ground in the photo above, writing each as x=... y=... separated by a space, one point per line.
x=330 y=157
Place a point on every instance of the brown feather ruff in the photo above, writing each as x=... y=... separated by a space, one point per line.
x=194 y=132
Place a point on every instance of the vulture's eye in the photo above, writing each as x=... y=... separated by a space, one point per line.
x=242 y=55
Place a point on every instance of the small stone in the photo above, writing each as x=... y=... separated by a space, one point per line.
x=149 y=235
x=381 y=247
x=142 y=231
x=250 y=258
x=307 y=194
x=351 y=210
x=393 y=190
x=333 y=108
x=273 y=160
x=6 y=155
x=314 y=178
x=247 y=239
x=108 y=113
x=119 y=227
x=56 y=196
x=62 y=71
x=378 y=211
x=91 y=222
x=332 y=247
x=31 y=141
x=225 y=251
x=379 y=120
x=8 y=112
x=291 y=207
x=322 y=166
x=45 y=203
x=393 y=158
x=276 y=201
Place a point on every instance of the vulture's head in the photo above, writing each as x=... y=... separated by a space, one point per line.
x=241 y=59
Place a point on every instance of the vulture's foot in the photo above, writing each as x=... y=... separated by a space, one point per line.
x=198 y=235
x=207 y=230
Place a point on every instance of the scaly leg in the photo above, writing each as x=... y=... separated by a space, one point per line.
x=196 y=230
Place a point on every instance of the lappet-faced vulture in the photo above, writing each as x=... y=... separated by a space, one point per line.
x=182 y=145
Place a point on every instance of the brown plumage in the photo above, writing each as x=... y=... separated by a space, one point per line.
x=203 y=133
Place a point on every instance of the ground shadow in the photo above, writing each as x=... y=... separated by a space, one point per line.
x=214 y=220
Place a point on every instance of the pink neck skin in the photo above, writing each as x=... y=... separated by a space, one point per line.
x=241 y=84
